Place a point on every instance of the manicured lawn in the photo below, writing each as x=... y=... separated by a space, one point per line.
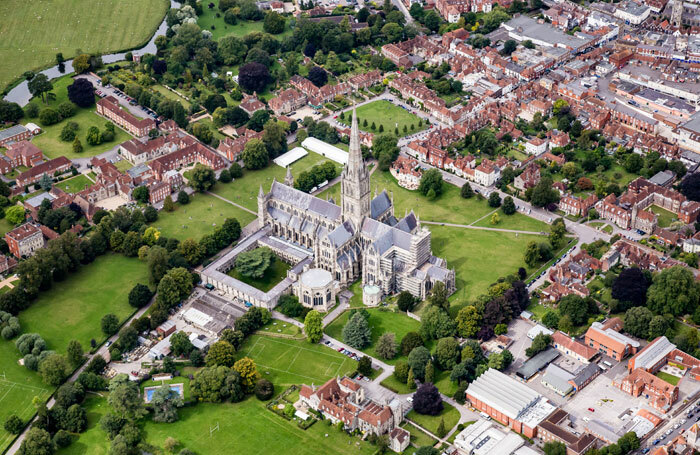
x=443 y=383
x=392 y=383
x=16 y=171
x=356 y=289
x=431 y=423
x=382 y=112
x=479 y=257
x=280 y=327
x=418 y=438
x=74 y=184
x=33 y=32
x=516 y=221
x=380 y=322
x=199 y=217
x=220 y=28
x=49 y=141
x=671 y=379
x=244 y=191
x=665 y=217
x=286 y=362
x=93 y=441
x=5 y=226
x=73 y=308
x=170 y=95
x=123 y=165
x=17 y=389
x=273 y=275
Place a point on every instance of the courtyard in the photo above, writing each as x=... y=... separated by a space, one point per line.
x=74 y=184
x=273 y=275
x=388 y=115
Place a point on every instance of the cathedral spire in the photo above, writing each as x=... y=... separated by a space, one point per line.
x=289 y=178
x=354 y=183
x=355 y=155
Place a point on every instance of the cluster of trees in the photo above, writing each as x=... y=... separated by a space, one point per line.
x=254 y=263
x=9 y=325
x=257 y=153
x=318 y=174
x=431 y=184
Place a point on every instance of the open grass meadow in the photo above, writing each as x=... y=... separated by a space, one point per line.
x=389 y=115
x=244 y=428
x=208 y=20
x=49 y=141
x=201 y=216
x=73 y=308
x=74 y=184
x=244 y=191
x=380 y=322
x=18 y=387
x=286 y=362
x=33 y=32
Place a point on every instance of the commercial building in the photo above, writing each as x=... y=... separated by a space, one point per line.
x=536 y=364
x=485 y=438
x=509 y=401
x=607 y=339
x=557 y=428
x=569 y=346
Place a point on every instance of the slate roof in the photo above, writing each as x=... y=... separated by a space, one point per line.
x=305 y=201
x=380 y=204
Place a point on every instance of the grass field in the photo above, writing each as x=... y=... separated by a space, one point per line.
x=431 y=423
x=392 y=383
x=49 y=141
x=18 y=386
x=33 y=32
x=286 y=362
x=671 y=379
x=216 y=25
x=418 y=438
x=382 y=112
x=277 y=327
x=273 y=275
x=74 y=184
x=244 y=428
x=516 y=221
x=199 y=217
x=72 y=308
x=380 y=322
x=171 y=96
x=665 y=217
x=5 y=226
x=244 y=191
x=123 y=165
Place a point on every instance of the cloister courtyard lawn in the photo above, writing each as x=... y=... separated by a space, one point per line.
x=33 y=32
x=666 y=217
x=18 y=387
x=74 y=184
x=49 y=140
x=387 y=114
x=73 y=308
x=245 y=428
x=285 y=362
x=244 y=191
x=273 y=275
x=380 y=322
x=201 y=216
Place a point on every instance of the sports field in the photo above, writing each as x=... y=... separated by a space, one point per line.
x=74 y=184
x=73 y=308
x=18 y=386
x=286 y=362
x=33 y=32
x=201 y=216
x=382 y=112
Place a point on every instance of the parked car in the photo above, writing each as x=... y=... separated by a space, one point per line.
x=591 y=409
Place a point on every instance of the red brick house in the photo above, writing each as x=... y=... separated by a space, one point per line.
x=109 y=107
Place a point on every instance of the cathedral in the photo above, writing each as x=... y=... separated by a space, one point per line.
x=361 y=238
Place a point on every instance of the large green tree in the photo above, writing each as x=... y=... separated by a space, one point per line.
x=674 y=290
x=202 y=178
x=255 y=263
x=357 y=332
x=313 y=326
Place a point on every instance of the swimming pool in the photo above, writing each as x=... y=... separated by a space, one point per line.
x=149 y=391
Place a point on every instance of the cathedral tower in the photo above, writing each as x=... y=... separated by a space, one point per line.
x=354 y=183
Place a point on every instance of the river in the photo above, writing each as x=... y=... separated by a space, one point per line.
x=21 y=95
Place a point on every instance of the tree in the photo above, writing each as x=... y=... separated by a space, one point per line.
x=165 y=403
x=494 y=200
x=264 y=389
x=174 y=287
x=576 y=308
x=637 y=321
x=508 y=206
x=539 y=344
x=180 y=345
x=192 y=251
x=141 y=194
x=673 y=291
x=255 y=263
x=255 y=154
x=109 y=324
x=39 y=86
x=466 y=190
x=401 y=371
x=318 y=76
x=386 y=346
x=468 y=321
x=509 y=47
x=436 y=323
x=93 y=136
x=554 y=448
x=183 y=198
x=74 y=352
x=221 y=353
x=418 y=359
x=202 y=178
x=432 y=20
x=274 y=23
x=82 y=92
x=15 y=214
x=37 y=442
x=168 y=204
x=630 y=287
x=53 y=369
x=431 y=180
x=427 y=400
x=357 y=332
x=550 y=319
x=13 y=424
x=253 y=76
x=429 y=372
x=313 y=326
x=532 y=254
x=249 y=373
x=543 y=193
x=411 y=379
x=447 y=353
x=125 y=398
x=410 y=341
x=634 y=163
x=364 y=366
x=405 y=301
x=77 y=146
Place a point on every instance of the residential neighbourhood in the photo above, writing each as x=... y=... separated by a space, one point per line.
x=452 y=227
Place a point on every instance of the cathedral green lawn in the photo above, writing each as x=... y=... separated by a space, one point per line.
x=73 y=308
x=18 y=386
x=380 y=322
x=273 y=275
x=244 y=191
x=201 y=216
x=285 y=361
x=383 y=112
x=33 y=32
x=431 y=423
x=74 y=184
x=244 y=428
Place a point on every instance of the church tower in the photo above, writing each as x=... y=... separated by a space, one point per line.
x=354 y=183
